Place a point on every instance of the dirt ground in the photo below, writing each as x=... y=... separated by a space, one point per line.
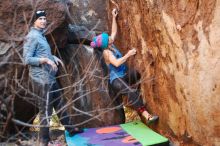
x=30 y=139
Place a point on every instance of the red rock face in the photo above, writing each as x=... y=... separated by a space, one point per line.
x=178 y=58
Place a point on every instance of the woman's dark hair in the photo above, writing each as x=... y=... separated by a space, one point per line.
x=38 y=14
x=98 y=53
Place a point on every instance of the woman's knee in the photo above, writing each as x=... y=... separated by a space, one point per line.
x=118 y=84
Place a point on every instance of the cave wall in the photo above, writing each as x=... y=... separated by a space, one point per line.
x=178 y=57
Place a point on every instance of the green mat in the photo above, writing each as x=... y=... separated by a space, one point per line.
x=143 y=134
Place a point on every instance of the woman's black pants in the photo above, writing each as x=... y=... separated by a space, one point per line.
x=123 y=87
x=47 y=97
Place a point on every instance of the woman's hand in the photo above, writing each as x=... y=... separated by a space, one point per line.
x=114 y=13
x=132 y=52
x=49 y=62
x=52 y=64
x=57 y=61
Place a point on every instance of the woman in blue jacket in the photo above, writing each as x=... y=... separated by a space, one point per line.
x=42 y=70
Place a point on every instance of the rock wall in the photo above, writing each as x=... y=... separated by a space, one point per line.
x=90 y=13
x=178 y=57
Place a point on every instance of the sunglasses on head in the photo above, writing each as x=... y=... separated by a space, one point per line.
x=40 y=11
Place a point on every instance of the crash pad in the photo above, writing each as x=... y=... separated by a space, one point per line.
x=129 y=134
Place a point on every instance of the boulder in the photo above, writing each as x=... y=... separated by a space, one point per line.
x=79 y=34
x=89 y=13
x=178 y=57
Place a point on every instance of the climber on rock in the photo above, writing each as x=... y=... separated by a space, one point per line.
x=119 y=76
x=43 y=68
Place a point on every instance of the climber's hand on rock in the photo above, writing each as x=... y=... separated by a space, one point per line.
x=131 y=52
x=114 y=12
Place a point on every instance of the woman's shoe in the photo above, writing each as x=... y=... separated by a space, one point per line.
x=149 y=120
x=152 y=119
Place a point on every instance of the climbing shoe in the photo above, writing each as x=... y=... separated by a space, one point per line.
x=149 y=120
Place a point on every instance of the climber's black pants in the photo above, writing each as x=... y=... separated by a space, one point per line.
x=48 y=97
x=123 y=86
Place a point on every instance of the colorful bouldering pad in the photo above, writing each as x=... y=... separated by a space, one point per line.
x=128 y=134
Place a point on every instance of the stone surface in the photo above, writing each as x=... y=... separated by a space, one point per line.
x=90 y=13
x=79 y=34
x=178 y=57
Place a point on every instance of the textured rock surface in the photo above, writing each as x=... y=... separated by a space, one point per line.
x=90 y=13
x=178 y=48
x=79 y=34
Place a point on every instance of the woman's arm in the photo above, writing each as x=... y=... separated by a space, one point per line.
x=111 y=59
x=114 y=24
x=28 y=54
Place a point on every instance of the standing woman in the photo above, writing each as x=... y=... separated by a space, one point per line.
x=43 y=68
x=119 y=78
